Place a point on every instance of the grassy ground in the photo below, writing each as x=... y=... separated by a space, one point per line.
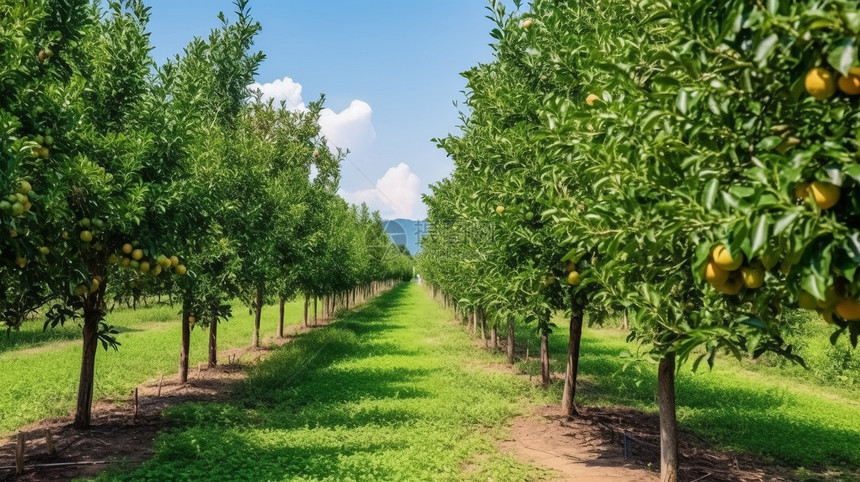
x=397 y=392
x=40 y=368
x=737 y=406
x=393 y=392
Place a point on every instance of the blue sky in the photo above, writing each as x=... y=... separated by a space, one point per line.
x=389 y=70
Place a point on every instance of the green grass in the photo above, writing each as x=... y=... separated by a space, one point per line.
x=392 y=392
x=782 y=415
x=41 y=368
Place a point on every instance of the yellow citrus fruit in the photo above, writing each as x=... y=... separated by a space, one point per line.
x=848 y=309
x=785 y=266
x=731 y=287
x=163 y=261
x=500 y=209
x=850 y=84
x=125 y=262
x=527 y=23
x=826 y=195
x=573 y=278
x=86 y=236
x=192 y=319
x=769 y=260
x=157 y=270
x=806 y=301
x=820 y=83
x=45 y=250
x=95 y=286
x=174 y=261
x=126 y=248
x=801 y=191
x=137 y=254
x=723 y=257
x=827 y=315
x=714 y=274
x=831 y=297
x=181 y=269
x=21 y=261
x=591 y=99
x=752 y=277
x=144 y=267
x=24 y=187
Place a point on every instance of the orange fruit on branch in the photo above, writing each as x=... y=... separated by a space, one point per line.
x=723 y=258
x=820 y=83
x=826 y=195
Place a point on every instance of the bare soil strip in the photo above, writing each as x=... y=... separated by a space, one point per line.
x=591 y=448
x=117 y=437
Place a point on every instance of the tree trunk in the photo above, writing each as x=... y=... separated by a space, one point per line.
x=185 y=346
x=625 y=325
x=213 y=344
x=315 y=311
x=510 y=340
x=668 y=421
x=258 y=311
x=483 y=321
x=573 y=345
x=307 y=302
x=281 y=320
x=83 y=413
x=544 y=358
x=93 y=314
x=494 y=335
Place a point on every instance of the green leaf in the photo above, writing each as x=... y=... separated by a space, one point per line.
x=843 y=56
x=784 y=222
x=710 y=194
x=765 y=49
x=814 y=284
x=759 y=233
x=772 y=7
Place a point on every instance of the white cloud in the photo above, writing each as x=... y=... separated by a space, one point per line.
x=397 y=194
x=351 y=129
x=282 y=89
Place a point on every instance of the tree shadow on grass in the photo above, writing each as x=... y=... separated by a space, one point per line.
x=30 y=338
x=326 y=405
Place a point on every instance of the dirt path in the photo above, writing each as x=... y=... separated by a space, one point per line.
x=576 y=451
x=591 y=448
x=117 y=436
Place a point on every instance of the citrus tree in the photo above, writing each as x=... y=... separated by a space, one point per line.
x=689 y=166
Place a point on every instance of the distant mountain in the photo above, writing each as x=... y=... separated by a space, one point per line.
x=407 y=232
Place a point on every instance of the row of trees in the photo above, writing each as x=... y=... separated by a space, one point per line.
x=697 y=171
x=127 y=179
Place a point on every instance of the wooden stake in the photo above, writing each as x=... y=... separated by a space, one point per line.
x=160 y=380
x=19 y=454
x=49 y=441
x=198 y=370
